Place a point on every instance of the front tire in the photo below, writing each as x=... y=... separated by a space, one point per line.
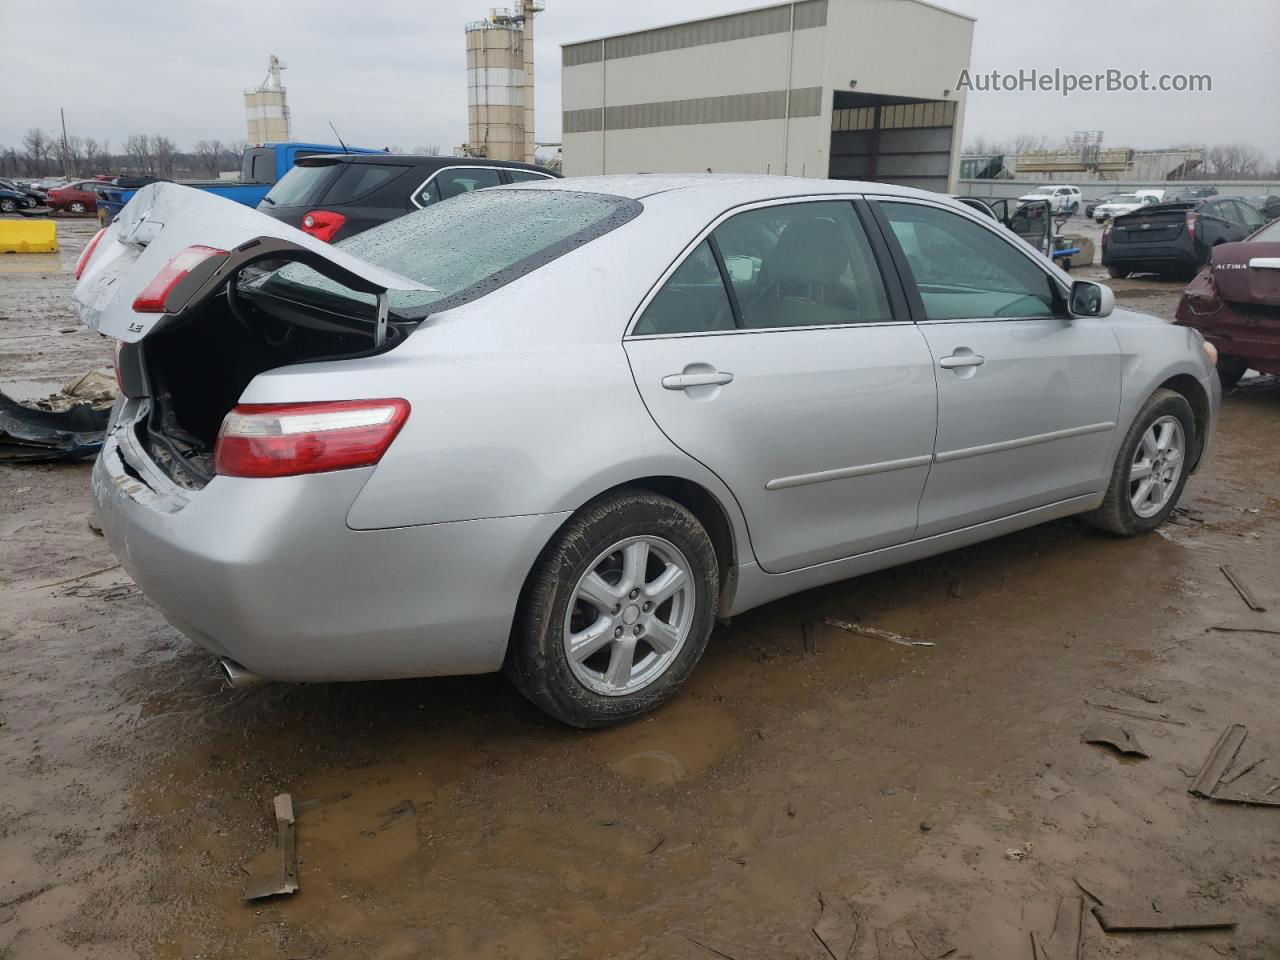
x=76 y=207
x=7 y=205
x=617 y=611
x=1151 y=469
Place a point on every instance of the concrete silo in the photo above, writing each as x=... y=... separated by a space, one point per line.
x=266 y=112
x=500 y=84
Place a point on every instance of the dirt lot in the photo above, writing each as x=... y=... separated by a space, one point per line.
x=861 y=779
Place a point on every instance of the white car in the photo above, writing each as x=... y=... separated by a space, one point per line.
x=1062 y=199
x=1125 y=203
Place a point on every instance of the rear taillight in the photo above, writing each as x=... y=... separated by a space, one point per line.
x=87 y=254
x=287 y=439
x=1192 y=220
x=323 y=224
x=153 y=295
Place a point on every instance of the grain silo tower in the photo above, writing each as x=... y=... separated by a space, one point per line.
x=500 y=84
x=265 y=109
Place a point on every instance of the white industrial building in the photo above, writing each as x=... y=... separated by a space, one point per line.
x=266 y=112
x=847 y=89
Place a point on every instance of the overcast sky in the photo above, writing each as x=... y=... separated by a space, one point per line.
x=392 y=72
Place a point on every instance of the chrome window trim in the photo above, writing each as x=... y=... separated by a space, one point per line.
x=1004 y=234
x=684 y=254
x=413 y=197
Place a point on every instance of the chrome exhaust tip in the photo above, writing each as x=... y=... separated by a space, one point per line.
x=236 y=675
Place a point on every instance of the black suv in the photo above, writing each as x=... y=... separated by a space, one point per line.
x=1175 y=238
x=333 y=196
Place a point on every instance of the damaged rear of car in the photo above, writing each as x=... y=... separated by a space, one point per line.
x=261 y=386
x=1235 y=304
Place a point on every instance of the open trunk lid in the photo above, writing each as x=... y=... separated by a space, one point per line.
x=164 y=219
x=1248 y=272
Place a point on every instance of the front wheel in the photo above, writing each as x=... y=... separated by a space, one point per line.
x=76 y=207
x=617 y=611
x=7 y=205
x=1151 y=468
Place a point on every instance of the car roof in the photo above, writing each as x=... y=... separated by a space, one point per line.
x=721 y=188
x=414 y=160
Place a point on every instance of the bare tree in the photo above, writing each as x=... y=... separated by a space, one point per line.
x=209 y=156
x=1235 y=161
x=93 y=155
x=164 y=151
x=38 y=147
x=431 y=151
x=72 y=151
x=137 y=151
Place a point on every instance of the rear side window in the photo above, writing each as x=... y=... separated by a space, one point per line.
x=302 y=186
x=358 y=180
x=964 y=270
x=692 y=300
x=455 y=182
x=520 y=176
x=464 y=249
x=259 y=166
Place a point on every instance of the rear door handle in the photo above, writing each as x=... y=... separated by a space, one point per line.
x=682 y=381
x=961 y=360
x=1264 y=263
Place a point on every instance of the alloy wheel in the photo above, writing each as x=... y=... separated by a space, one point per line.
x=1157 y=466
x=629 y=616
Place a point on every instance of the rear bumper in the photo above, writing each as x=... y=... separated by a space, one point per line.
x=267 y=572
x=1174 y=254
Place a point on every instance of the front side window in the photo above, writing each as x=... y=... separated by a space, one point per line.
x=802 y=264
x=965 y=271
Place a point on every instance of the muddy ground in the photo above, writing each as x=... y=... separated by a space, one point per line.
x=857 y=780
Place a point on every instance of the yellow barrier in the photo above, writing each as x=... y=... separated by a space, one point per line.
x=28 y=236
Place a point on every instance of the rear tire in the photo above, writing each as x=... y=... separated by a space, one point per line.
x=1125 y=511
x=76 y=207
x=631 y=655
x=1117 y=273
x=7 y=205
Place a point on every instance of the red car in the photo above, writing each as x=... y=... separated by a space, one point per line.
x=1235 y=303
x=77 y=197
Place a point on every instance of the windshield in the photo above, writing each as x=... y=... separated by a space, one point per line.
x=1042 y=192
x=1126 y=198
x=1270 y=232
x=464 y=247
x=302 y=185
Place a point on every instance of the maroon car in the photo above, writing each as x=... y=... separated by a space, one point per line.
x=75 y=197
x=1235 y=303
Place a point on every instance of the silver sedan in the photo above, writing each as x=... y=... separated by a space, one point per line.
x=558 y=429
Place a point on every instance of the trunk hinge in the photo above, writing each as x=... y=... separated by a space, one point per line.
x=380 y=328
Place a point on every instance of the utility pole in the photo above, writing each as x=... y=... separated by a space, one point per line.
x=66 y=154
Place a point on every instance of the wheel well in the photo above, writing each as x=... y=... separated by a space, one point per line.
x=702 y=504
x=1194 y=393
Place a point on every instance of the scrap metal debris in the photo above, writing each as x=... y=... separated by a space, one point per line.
x=878 y=634
x=1275 y=633
x=1213 y=771
x=1245 y=593
x=1136 y=714
x=1159 y=918
x=281 y=878
x=1117 y=737
x=1236 y=774
x=1066 y=940
x=910 y=941
x=837 y=927
x=402 y=811
x=1018 y=854
x=31 y=435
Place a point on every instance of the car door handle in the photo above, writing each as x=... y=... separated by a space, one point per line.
x=961 y=360
x=682 y=381
x=1264 y=263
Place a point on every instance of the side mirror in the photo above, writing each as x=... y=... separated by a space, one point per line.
x=1090 y=299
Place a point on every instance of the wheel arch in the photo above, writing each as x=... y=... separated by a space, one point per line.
x=1193 y=391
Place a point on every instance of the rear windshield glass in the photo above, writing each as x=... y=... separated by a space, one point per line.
x=358 y=180
x=464 y=247
x=1271 y=232
x=302 y=185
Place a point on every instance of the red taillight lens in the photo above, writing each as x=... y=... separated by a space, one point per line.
x=87 y=254
x=152 y=297
x=323 y=224
x=287 y=439
x=1192 y=220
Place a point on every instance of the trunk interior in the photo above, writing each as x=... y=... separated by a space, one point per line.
x=198 y=370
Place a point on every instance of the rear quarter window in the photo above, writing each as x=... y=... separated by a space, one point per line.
x=359 y=180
